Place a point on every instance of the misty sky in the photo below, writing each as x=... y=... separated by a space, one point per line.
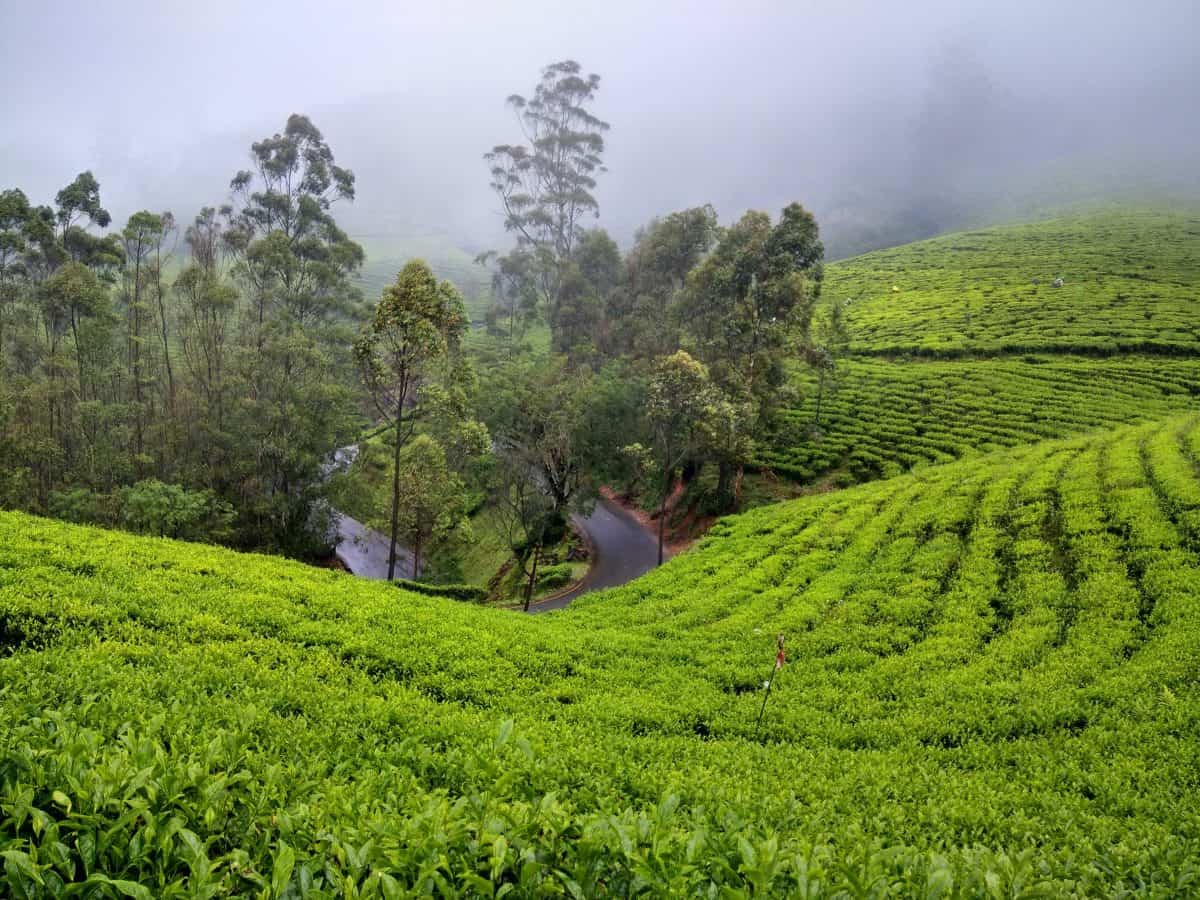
x=859 y=110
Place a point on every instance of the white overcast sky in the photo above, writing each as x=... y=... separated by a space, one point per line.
x=738 y=103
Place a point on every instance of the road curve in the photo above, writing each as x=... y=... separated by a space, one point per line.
x=622 y=549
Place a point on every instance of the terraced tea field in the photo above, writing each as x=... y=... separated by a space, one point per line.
x=887 y=416
x=962 y=344
x=1131 y=283
x=992 y=684
x=992 y=688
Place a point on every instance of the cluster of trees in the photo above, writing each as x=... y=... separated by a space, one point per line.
x=409 y=354
x=694 y=326
x=194 y=381
x=208 y=367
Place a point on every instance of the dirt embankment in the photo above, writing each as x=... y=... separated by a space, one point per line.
x=682 y=530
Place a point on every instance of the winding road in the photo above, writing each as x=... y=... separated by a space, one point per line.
x=622 y=549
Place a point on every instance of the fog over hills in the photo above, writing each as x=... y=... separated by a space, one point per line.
x=890 y=121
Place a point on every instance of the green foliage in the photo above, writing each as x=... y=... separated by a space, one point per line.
x=72 y=294
x=295 y=268
x=941 y=349
x=991 y=690
x=149 y=507
x=1129 y=284
x=556 y=576
x=413 y=332
x=742 y=298
x=643 y=311
x=546 y=186
x=591 y=275
x=81 y=199
x=546 y=190
x=468 y=592
x=234 y=380
x=683 y=411
x=889 y=416
x=83 y=506
x=417 y=321
x=432 y=498
x=740 y=305
x=168 y=510
x=538 y=412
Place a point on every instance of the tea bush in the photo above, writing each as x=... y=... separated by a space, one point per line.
x=1131 y=284
x=888 y=416
x=992 y=689
x=962 y=344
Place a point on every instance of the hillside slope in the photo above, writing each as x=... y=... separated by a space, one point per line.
x=992 y=686
x=886 y=416
x=961 y=344
x=1131 y=282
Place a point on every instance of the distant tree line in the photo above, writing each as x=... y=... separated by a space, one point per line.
x=194 y=380
x=186 y=381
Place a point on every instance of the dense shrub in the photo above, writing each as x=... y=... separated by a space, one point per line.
x=915 y=413
x=1131 y=279
x=550 y=577
x=468 y=592
x=959 y=344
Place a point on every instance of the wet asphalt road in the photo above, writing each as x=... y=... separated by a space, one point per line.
x=622 y=550
x=365 y=552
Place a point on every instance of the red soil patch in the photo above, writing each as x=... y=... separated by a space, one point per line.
x=678 y=536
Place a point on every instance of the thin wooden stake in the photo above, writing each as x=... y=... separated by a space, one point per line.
x=779 y=659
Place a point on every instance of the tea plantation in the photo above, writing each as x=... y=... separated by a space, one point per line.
x=963 y=344
x=1131 y=282
x=992 y=684
x=889 y=415
x=992 y=689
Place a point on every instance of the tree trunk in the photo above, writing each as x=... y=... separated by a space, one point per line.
x=3 y=304
x=537 y=553
x=162 y=313
x=52 y=371
x=78 y=355
x=135 y=356
x=820 y=396
x=724 y=476
x=6 y=299
x=395 y=489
